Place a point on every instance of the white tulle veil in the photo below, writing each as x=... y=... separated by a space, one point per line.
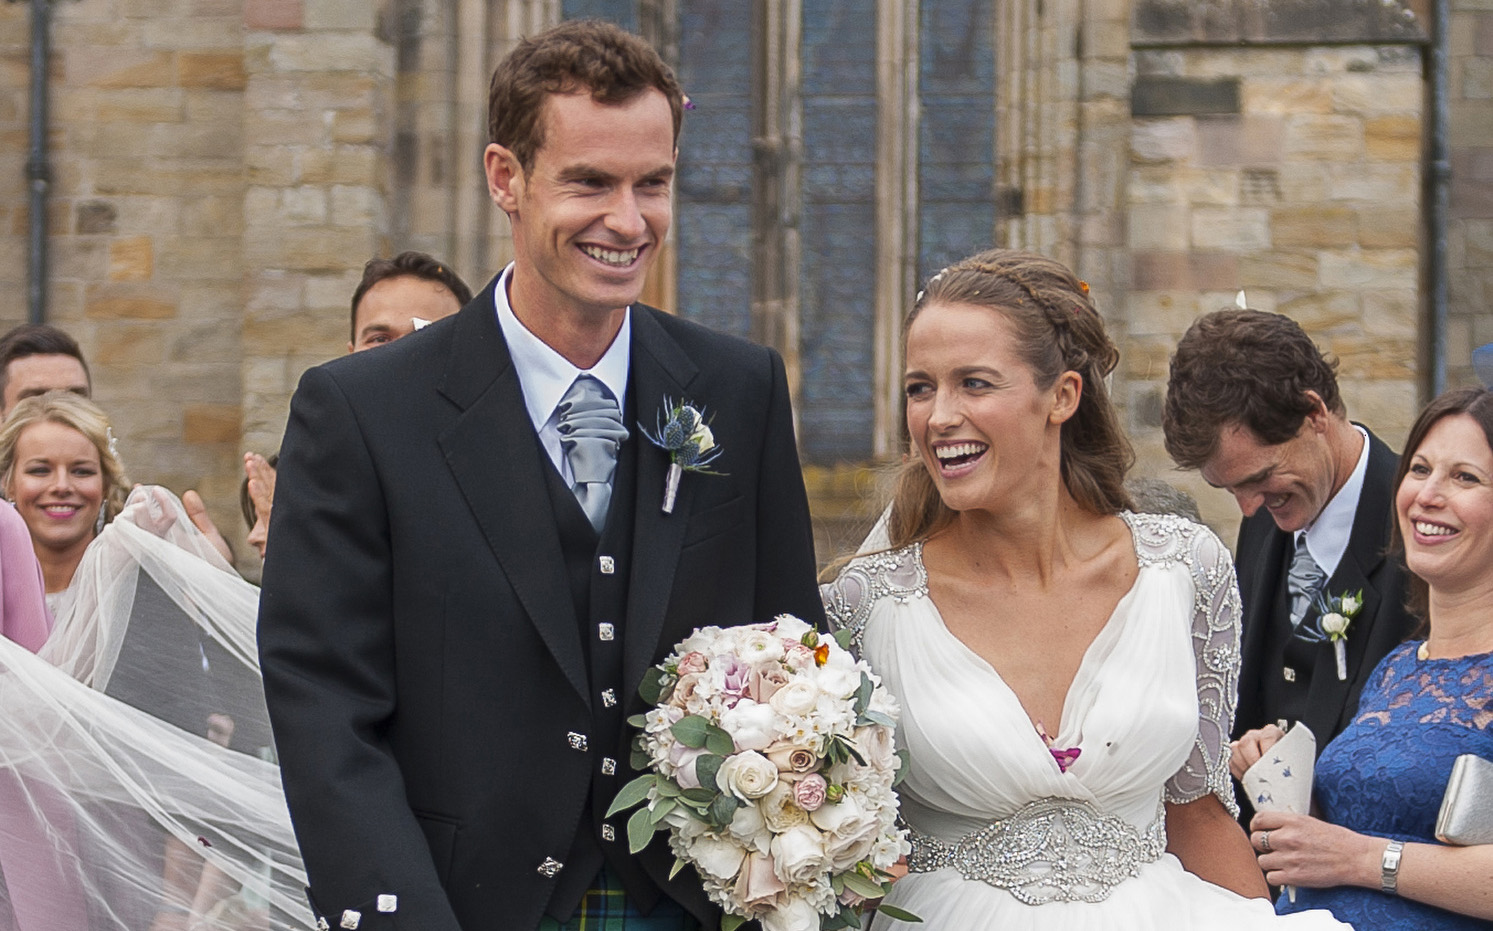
x=138 y=789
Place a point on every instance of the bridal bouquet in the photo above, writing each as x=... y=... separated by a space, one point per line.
x=769 y=759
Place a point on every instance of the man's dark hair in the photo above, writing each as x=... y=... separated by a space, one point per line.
x=1243 y=367
x=37 y=339
x=582 y=55
x=409 y=264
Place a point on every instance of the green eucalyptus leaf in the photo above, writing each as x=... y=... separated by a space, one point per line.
x=904 y=759
x=639 y=721
x=706 y=767
x=723 y=809
x=731 y=922
x=863 y=694
x=678 y=865
x=652 y=687
x=876 y=717
x=843 y=636
x=639 y=830
x=892 y=911
x=718 y=741
x=639 y=758
x=692 y=731
x=700 y=796
x=661 y=809
x=862 y=886
x=631 y=794
x=667 y=788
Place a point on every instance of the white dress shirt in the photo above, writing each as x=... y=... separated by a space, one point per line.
x=1327 y=536
x=545 y=375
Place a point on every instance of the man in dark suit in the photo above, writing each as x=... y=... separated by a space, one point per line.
x=1253 y=404
x=454 y=626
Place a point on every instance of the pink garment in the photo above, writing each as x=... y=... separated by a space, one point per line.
x=38 y=863
x=23 y=606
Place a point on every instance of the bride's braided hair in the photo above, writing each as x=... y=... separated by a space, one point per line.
x=1058 y=330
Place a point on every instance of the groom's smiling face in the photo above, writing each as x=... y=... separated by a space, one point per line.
x=591 y=212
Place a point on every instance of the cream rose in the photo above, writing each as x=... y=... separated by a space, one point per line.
x=759 y=646
x=718 y=856
x=749 y=828
x=798 y=855
x=780 y=810
x=1334 y=624
x=790 y=758
x=878 y=747
x=793 y=915
x=797 y=698
x=758 y=882
x=747 y=775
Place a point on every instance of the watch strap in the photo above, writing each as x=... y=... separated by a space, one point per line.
x=1389 y=867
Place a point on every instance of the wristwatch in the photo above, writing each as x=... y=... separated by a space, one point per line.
x=1389 y=868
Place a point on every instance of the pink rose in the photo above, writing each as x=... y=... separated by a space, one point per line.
x=683 y=758
x=809 y=792
x=797 y=655
x=692 y=662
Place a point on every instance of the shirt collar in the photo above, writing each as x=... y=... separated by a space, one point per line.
x=1327 y=536
x=544 y=374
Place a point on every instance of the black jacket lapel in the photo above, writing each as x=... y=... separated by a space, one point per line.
x=660 y=369
x=492 y=451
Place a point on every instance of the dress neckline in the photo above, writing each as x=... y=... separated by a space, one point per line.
x=1109 y=631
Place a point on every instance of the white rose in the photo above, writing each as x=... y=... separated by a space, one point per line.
x=749 y=828
x=702 y=436
x=838 y=682
x=876 y=745
x=759 y=647
x=754 y=726
x=701 y=641
x=798 y=855
x=846 y=852
x=797 y=698
x=717 y=856
x=747 y=775
x=1334 y=624
x=845 y=818
x=779 y=809
x=1351 y=604
x=795 y=914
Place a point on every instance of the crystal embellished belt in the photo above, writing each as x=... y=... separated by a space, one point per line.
x=1051 y=850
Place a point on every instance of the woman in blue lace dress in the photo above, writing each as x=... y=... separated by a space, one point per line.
x=1371 y=857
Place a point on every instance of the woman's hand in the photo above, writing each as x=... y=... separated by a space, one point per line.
x=1247 y=750
x=1299 y=850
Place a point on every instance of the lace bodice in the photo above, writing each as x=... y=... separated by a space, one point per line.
x=1386 y=773
x=874 y=584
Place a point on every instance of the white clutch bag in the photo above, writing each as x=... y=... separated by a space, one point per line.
x=1281 y=780
x=1466 y=816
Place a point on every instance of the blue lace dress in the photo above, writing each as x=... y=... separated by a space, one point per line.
x=1385 y=774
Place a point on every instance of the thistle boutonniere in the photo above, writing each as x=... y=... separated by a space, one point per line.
x=686 y=437
x=1335 y=615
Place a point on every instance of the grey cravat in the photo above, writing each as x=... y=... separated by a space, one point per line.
x=591 y=432
x=1303 y=580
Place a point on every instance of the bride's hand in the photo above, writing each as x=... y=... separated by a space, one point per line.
x=1247 y=750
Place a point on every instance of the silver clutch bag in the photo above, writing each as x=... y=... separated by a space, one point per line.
x=1466 y=816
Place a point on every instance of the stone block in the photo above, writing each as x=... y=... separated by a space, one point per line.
x=274 y=92
x=1283 y=271
x=105 y=304
x=213 y=216
x=121 y=67
x=309 y=249
x=211 y=423
x=1475 y=81
x=1210 y=187
x=131 y=105
x=201 y=258
x=1363 y=269
x=1383 y=183
x=1183 y=271
x=333 y=290
x=1328 y=138
x=218 y=70
x=1390 y=227
x=1314 y=227
x=331 y=51
x=194 y=140
x=1253 y=140
x=274 y=295
x=347 y=164
x=340 y=14
x=193 y=31
x=1392 y=314
x=1152 y=96
x=1169 y=139
x=357 y=127
x=1159 y=228
x=357 y=205
x=272 y=166
x=287 y=127
x=1378 y=93
x=1392 y=138
x=1239 y=230
x=303 y=206
x=1472 y=124
x=264 y=375
x=131 y=259
x=96 y=217
x=127 y=343
x=273 y=14
x=1161 y=313
x=1149 y=357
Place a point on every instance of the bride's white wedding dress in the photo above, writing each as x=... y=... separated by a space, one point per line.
x=1004 y=838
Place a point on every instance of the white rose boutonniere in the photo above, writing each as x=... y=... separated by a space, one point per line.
x=686 y=437
x=1335 y=615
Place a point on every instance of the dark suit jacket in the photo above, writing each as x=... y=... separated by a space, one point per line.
x=1320 y=699
x=422 y=658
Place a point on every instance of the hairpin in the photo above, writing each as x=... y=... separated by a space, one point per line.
x=1083 y=286
x=688 y=104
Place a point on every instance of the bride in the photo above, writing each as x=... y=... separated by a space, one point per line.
x=1067 y=669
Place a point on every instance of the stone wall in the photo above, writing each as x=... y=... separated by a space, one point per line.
x=1470 y=229
x=1292 y=173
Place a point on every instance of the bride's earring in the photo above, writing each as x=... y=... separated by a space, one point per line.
x=98 y=525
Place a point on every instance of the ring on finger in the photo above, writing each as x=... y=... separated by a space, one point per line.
x=1265 y=841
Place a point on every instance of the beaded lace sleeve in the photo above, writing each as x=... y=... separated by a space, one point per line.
x=1215 y=643
x=850 y=598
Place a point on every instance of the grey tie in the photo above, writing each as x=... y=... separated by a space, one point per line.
x=1303 y=580
x=591 y=432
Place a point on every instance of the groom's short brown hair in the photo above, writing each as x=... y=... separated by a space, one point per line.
x=583 y=55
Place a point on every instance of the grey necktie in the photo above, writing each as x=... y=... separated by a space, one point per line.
x=1303 y=580
x=591 y=432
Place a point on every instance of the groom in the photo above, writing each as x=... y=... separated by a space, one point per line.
x=470 y=574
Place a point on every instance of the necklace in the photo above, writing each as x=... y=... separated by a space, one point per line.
x=1423 y=652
